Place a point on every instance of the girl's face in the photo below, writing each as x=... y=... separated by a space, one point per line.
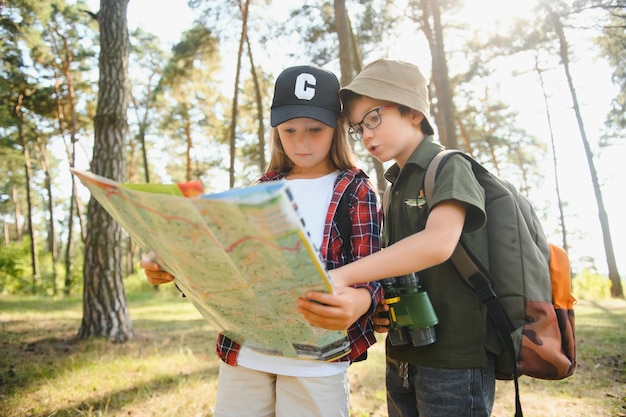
x=307 y=143
x=396 y=137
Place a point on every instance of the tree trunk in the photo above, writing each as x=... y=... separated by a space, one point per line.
x=105 y=309
x=189 y=145
x=67 y=284
x=17 y=213
x=350 y=62
x=445 y=116
x=52 y=241
x=66 y=60
x=259 y=105
x=70 y=150
x=616 y=284
x=233 y=118
x=141 y=135
x=29 y=201
x=554 y=159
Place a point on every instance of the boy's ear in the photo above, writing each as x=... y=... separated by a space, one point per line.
x=416 y=117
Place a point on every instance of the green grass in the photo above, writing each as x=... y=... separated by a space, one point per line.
x=170 y=368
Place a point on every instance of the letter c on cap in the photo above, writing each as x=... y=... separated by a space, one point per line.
x=305 y=86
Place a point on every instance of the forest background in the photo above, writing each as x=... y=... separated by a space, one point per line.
x=506 y=85
x=535 y=90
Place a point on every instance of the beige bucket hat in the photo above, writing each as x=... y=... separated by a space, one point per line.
x=395 y=81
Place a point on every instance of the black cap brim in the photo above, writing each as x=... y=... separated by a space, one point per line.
x=283 y=113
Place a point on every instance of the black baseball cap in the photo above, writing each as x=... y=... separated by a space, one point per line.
x=306 y=91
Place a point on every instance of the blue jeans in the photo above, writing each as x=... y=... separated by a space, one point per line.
x=414 y=391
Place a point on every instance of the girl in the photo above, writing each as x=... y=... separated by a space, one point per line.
x=310 y=150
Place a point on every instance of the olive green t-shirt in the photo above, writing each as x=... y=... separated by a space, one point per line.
x=461 y=332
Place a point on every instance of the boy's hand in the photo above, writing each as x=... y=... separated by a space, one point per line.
x=336 y=279
x=336 y=311
x=153 y=271
x=381 y=322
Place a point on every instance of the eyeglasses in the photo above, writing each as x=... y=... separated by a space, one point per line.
x=371 y=120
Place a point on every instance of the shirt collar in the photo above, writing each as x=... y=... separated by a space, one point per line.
x=421 y=157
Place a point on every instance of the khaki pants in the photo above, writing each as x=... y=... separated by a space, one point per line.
x=243 y=392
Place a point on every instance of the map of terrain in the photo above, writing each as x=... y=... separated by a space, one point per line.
x=242 y=257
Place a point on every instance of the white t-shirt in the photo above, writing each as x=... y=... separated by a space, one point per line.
x=312 y=197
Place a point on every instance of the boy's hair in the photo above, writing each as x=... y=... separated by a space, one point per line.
x=394 y=81
x=340 y=154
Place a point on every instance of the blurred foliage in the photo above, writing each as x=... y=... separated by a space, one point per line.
x=14 y=264
x=16 y=275
x=591 y=286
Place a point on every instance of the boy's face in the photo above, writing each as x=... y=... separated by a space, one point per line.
x=392 y=135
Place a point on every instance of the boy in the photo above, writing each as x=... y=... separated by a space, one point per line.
x=387 y=108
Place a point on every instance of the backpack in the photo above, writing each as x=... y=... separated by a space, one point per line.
x=526 y=287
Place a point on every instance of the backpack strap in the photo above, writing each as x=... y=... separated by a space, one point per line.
x=473 y=272
x=343 y=219
x=476 y=275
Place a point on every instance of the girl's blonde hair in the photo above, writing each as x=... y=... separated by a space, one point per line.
x=340 y=154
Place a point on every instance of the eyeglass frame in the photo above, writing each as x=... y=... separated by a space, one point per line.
x=352 y=132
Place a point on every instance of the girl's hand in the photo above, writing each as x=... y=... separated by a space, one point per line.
x=336 y=311
x=153 y=271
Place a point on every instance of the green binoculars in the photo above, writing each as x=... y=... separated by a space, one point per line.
x=411 y=315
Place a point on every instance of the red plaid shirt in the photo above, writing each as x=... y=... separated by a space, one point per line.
x=365 y=239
